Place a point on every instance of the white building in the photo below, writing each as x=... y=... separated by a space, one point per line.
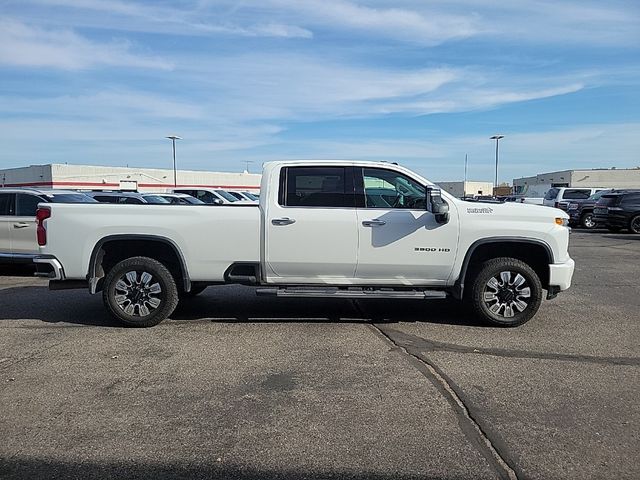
x=597 y=177
x=460 y=189
x=87 y=177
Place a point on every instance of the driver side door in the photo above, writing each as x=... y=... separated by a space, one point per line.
x=399 y=241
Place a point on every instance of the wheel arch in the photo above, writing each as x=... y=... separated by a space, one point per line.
x=538 y=255
x=131 y=245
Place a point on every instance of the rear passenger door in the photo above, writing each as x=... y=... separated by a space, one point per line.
x=311 y=231
x=23 y=227
x=7 y=202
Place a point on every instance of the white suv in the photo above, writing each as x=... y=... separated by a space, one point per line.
x=556 y=195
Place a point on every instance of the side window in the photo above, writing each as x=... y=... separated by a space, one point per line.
x=317 y=187
x=106 y=199
x=633 y=199
x=206 y=197
x=551 y=194
x=576 y=194
x=26 y=205
x=389 y=189
x=131 y=200
x=6 y=203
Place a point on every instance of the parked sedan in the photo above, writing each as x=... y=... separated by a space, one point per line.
x=18 y=242
x=619 y=210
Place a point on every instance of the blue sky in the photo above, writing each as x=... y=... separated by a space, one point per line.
x=414 y=81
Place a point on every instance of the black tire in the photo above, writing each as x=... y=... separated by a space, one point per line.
x=195 y=291
x=634 y=224
x=144 y=300
x=516 y=298
x=614 y=229
x=587 y=221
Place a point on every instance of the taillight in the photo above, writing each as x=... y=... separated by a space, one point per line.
x=41 y=215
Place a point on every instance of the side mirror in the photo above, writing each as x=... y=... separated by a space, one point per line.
x=436 y=205
x=217 y=201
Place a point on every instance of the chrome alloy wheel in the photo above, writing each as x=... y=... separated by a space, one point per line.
x=588 y=221
x=635 y=224
x=137 y=293
x=507 y=294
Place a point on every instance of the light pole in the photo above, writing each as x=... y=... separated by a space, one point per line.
x=497 y=139
x=173 y=139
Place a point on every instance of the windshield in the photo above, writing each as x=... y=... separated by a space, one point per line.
x=70 y=198
x=226 y=195
x=551 y=194
x=156 y=199
x=597 y=195
x=250 y=196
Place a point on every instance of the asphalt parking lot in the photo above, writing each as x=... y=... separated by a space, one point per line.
x=239 y=386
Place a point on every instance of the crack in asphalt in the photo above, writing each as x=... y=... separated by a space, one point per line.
x=432 y=346
x=470 y=427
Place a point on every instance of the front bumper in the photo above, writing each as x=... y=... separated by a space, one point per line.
x=560 y=274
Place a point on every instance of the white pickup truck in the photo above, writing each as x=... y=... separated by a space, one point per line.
x=322 y=229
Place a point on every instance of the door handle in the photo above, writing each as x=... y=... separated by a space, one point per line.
x=373 y=223
x=283 y=221
x=20 y=225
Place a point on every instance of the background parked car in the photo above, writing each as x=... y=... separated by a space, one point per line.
x=581 y=211
x=620 y=210
x=555 y=195
x=214 y=196
x=247 y=196
x=18 y=243
x=118 y=197
x=172 y=198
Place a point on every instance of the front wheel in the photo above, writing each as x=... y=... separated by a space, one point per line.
x=634 y=224
x=587 y=221
x=140 y=292
x=506 y=292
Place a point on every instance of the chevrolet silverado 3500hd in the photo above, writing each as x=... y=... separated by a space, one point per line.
x=322 y=229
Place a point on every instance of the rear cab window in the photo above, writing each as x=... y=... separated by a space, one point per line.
x=317 y=186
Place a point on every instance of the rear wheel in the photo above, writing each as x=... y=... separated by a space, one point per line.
x=587 y=220
x=634 y=224
x=506 y=292
x=140 y=292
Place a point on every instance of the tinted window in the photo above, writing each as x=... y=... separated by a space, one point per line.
x=26 y=205
x=6 y=203
x=206 y=197
x=597 y=195
x=106 y=199
x=551 y=194
x=576 y=194
x=131 y=200
x=316 y=187
x=237 y=195
x=389 y=189
x=632 y=199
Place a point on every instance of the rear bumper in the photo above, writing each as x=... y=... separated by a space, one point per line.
x=560 y=274
x=57 y=272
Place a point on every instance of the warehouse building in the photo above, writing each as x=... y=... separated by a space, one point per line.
x=469 y=189
x=597 y=177
x=89 y=177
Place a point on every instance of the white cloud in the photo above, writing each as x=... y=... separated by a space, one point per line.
x=22 y=45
